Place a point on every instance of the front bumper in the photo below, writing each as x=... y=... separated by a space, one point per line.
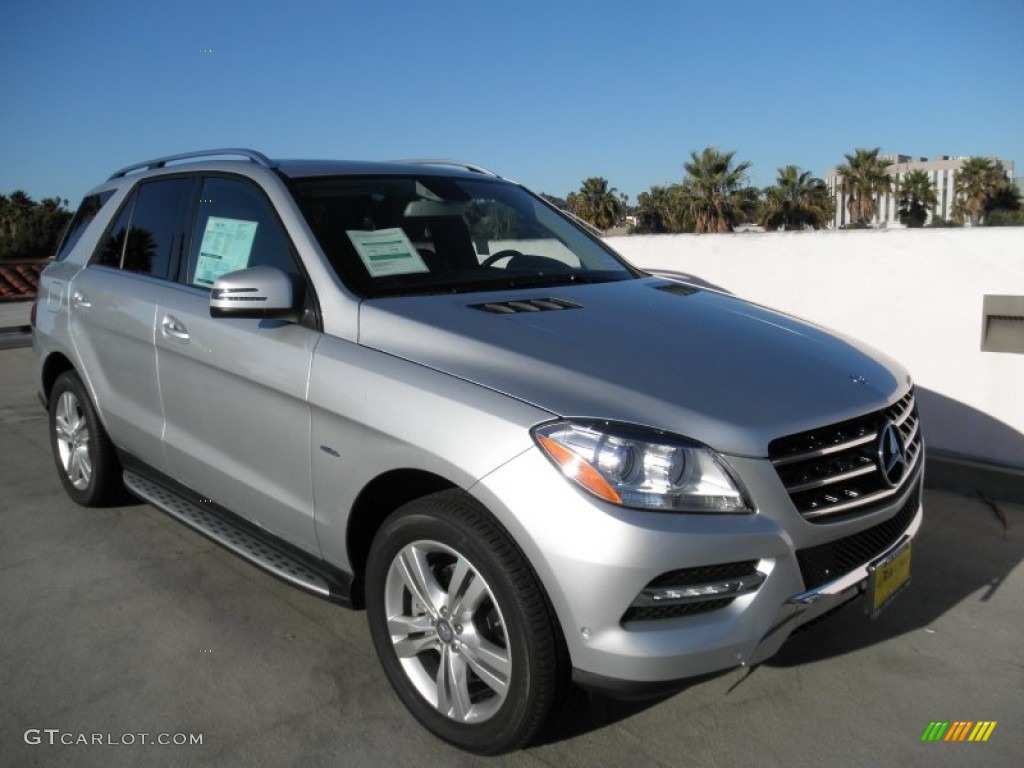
x=594 y=559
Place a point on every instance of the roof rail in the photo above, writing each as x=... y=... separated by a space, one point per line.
x=455 y=163
x=160 y=162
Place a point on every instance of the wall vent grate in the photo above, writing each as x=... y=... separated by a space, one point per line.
x=1002 y=324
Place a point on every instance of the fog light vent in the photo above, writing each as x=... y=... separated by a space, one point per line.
x=694 y=590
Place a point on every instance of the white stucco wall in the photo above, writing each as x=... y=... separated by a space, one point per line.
x=914 y=294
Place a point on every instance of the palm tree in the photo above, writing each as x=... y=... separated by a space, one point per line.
x=863 y=177
x=660 y=209
x=16 y=210
x=916 y=196
x=29 y=229
x=15 y=218
x=596 y=203
x=797 y=200
x=714 y=192
x=977 y=181
x=1007 y=199
x=6 y=222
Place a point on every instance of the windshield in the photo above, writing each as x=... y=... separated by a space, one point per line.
x=419 y=234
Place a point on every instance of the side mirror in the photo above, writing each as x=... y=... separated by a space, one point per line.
x=256 y=292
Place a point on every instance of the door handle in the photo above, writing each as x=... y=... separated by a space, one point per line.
x=79 y=299
x=174 y=329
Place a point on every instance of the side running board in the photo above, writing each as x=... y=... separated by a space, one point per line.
x=231 y=535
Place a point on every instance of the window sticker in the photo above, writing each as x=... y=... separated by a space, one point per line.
x=226 y=246
x=386 y=252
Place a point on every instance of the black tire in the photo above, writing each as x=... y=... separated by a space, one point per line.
x=82 y=452
x=458 y=540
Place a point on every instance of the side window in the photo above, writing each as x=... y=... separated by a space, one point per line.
x=155 y=235
x=147 y=234
x=87 y=211
x=236 y=228
x=112 y=249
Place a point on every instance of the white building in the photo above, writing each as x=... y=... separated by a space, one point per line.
x=942 y=170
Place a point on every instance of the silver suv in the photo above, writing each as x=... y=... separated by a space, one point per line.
x=419 y=388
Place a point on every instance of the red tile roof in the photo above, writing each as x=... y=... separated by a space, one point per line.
x=18 y=279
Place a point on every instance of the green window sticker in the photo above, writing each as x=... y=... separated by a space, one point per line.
x=226 y=247
x=386 y=252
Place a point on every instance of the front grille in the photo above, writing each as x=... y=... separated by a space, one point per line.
x=684 y=577
x=825 y=562
x=835 y=471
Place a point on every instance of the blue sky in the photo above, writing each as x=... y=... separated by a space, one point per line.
x=547 y=92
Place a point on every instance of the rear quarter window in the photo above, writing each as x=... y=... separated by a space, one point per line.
x=84 y=216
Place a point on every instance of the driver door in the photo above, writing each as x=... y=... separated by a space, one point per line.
x=234 y=390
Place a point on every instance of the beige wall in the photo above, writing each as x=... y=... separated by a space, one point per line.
x=914 y=294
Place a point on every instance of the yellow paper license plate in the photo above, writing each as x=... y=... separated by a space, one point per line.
x=887 y=578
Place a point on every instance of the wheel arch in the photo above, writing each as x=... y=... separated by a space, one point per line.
x=56 y=364
x=378 y=499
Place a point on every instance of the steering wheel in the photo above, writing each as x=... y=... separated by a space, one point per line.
x=495 y=257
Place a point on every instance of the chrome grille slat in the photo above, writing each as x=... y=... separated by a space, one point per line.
x=909 y=439
x=835 y=470
x=912 y=450
x=904 y=416
x=825 y=451
x=831 y=480
x=881 y=495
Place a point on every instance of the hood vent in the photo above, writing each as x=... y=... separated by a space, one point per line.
x=524 y=305
x=678 y=289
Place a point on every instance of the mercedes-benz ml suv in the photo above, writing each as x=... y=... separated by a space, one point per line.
x=418 y=388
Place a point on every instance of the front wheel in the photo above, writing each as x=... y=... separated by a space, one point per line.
x=461 y=625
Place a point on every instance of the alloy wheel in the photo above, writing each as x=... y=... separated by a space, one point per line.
x=72 y=433
x=447 y=631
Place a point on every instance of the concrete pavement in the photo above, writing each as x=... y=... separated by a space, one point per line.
x=120 y=621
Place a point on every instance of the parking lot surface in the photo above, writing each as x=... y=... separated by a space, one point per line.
x=120 y=622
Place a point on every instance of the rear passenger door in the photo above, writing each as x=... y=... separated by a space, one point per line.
x=234 y=390
x=112 y=309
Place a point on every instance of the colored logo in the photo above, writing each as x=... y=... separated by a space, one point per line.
x=958 y=730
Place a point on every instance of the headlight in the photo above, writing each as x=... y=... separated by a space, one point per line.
x=641 y=468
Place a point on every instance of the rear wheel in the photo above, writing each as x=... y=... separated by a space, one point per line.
x=85 y=458
x=461 y=625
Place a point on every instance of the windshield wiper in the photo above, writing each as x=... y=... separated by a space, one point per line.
x=561 y=278
x=501 y=283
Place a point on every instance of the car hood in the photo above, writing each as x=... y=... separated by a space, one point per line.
x=652 y=352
